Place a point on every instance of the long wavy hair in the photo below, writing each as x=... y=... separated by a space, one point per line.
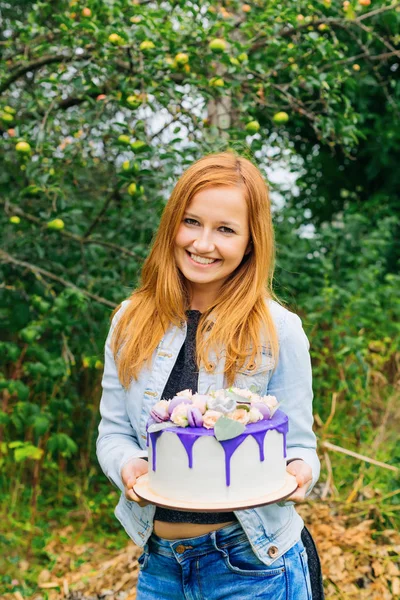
x=241 y=320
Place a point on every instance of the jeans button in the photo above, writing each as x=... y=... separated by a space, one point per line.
x=273 y=551
x=180 y=549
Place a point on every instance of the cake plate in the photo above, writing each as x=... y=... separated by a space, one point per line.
x=141 y=488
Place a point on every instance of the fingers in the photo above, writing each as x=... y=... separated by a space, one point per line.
x=130 y=482
x=298 y=495
x=129 y=474
x=133 y=469
x=303 y=473
x=130 y=494
x=132 y=497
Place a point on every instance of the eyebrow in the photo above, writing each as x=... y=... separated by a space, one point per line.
x=227 y=223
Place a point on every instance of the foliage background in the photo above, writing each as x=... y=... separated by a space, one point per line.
x=80 y=204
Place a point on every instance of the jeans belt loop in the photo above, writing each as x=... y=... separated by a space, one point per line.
x=213 y=537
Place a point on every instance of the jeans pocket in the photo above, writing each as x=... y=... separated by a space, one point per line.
x=304 y=564
x=241 y=559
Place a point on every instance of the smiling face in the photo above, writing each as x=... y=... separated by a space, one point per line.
x=212 y=240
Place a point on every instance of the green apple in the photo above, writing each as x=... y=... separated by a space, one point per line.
x=44 y=306
x=216 y=82
x=55 y=224
x=23 y=148
x=243 y=57
x=280 y=118
x=133 y=101
x=29 y=334
x=32 y=190
x=124 y=139
x=181 y=58
x=9 y=110
x=147 y=45
x=218 y=45
x=138 y=146
x=16 y=220
x=252 y=127
x=6 y=117
x=115 y=39
x=126 y=165
x=132 y=189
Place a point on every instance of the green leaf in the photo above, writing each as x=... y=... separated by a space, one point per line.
x=159 y=426
x=226 y=429
x=4 y=418
x=236 y=397
x=41 y=424
x=62 y=443
x=28 y=451
x=15 y=444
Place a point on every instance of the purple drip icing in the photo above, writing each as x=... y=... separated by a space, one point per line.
x=283 y=429
x=229 y=447
x=260 y=437
x=189 y=435
x=188 y=441
x=154 y=437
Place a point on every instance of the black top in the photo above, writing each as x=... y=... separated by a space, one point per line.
x=184 y=376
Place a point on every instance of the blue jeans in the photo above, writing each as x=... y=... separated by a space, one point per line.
x=220 y=565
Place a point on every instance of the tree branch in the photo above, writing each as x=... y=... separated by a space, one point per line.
x=37 y=64
x=114 y=194
x=76 y=238
x=291 y=31
x=7 y=258
x=369 y=56
x=377 y=11
x=367 y=459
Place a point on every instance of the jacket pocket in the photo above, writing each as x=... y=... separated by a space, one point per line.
x=263 y=364
x=257 y=374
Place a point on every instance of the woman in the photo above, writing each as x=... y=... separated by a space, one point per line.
x=209 y=271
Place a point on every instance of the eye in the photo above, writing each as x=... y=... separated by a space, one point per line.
x=227 y=229
x=189 y=221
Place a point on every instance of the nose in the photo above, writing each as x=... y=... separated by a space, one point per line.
x=204 y=242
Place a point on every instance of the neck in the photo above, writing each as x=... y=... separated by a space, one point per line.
x=201 y=299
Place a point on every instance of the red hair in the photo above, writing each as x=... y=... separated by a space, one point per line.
x=241 y=316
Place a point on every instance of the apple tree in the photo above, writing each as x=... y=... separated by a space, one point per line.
x=102 y=105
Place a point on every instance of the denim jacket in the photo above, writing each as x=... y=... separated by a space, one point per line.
x=271 y=529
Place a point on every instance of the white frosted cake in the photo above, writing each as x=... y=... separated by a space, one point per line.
x=225 y=447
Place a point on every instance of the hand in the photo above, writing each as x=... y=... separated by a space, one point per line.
x=303 y=473
x=129 y=474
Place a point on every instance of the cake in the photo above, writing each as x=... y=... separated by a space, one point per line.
x=226 y=447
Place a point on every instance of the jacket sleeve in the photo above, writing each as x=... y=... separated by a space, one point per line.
x=117 y=441
x=291 y=383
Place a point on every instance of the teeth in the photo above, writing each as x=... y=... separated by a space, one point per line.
x=201 y=260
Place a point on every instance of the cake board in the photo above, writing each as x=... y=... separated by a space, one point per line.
x=141 y=489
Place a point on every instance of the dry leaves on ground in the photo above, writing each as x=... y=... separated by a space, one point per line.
x=357 y=561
